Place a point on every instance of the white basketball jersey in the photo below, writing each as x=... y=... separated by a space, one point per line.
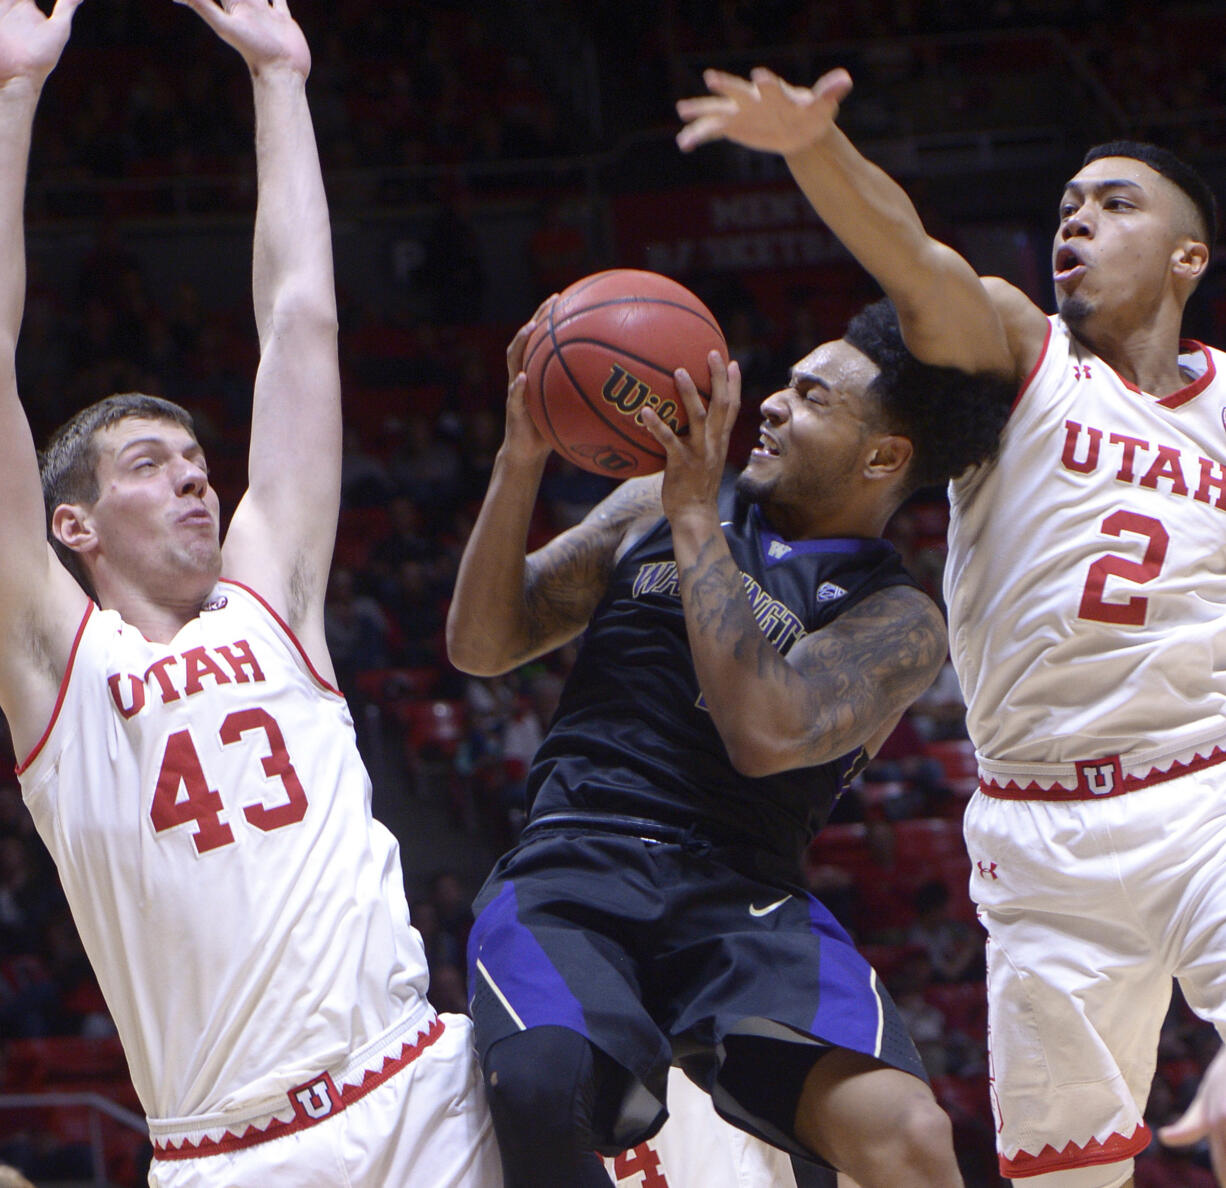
x=209 y=813
x=1086 y=579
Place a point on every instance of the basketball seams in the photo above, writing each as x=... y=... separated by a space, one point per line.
x=593 y=307
x=596 y=410
x=623 y=353
x=566 y=352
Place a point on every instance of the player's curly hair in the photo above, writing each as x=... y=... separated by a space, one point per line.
x=953 y=418
x=68 y=466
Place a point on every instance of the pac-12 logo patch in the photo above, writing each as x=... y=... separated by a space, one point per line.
x=829 y=591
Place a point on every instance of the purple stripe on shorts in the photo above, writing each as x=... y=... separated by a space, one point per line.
x=848 y=1012
x=520 y=969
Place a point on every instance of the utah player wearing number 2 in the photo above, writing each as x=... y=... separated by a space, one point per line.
x=1086 y=584
x=745 y=646
x=185 y=756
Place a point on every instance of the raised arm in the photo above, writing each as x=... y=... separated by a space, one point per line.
x=281 y=537
x=947 y=316
x=508 y=607
x=837 y=689
x=40 y=604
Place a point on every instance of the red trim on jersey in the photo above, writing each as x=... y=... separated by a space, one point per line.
x=1033 y=371
x=63 y=691
x=289 y=631
x=1114 y=1150
x=341 y=1100
x=1130 y=783
x=1192 y=390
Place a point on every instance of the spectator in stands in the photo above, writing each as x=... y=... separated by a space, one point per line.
x=940 y=711
x=407 y=539
x=425 y=467
x=355 y=627
x=364 y=478
x=955 y=950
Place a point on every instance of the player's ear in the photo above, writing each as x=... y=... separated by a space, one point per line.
x=72 y=527
x=1190 y=260
x=889 y=456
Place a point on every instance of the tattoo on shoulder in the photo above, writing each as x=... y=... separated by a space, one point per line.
x=873 y=661
x=567 y=577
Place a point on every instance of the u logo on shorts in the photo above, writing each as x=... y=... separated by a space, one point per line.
x=315 y=1099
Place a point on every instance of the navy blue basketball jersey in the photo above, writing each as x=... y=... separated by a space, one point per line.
x=632 y=737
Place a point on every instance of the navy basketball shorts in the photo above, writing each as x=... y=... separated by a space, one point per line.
x=662 y=953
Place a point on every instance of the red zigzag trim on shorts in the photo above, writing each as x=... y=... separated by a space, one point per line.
x=277 y=1129
x=1033 y=791
x=1114 y=1150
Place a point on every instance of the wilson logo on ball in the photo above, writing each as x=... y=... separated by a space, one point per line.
x=627 y=393
x=604 y=458
x=607 y=348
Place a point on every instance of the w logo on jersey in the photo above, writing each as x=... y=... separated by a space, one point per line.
x=779 y=549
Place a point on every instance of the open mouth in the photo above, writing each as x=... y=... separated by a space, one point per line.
x=767 y=445
x=1067 y=262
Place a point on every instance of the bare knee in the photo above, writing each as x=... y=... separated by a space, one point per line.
x=924 y=1137
x=880 y=1126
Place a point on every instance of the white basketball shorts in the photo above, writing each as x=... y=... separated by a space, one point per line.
x=1091 y=907
x=427 y=1126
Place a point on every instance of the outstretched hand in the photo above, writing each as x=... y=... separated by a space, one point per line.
x=762 y=112
x=1205 y=1117
x=694 y=464
x=31 y=43
x=261 y=30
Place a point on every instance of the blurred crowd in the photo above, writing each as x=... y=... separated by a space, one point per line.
x=408 y=97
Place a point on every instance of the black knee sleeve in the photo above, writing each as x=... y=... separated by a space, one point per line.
x=543 y=1086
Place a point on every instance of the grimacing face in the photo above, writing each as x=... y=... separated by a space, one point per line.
x=815 y=431
x=156 y=518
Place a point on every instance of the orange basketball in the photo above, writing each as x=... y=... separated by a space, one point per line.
x=606 y=350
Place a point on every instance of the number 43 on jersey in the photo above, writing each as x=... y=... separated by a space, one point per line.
x=182 y=772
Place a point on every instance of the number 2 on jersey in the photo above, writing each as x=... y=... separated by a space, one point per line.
x=1133 y=611
x=181 y=768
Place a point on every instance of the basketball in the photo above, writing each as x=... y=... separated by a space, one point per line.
x=606 y=350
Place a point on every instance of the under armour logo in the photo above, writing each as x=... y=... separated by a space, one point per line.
x=314 y=1100
x=1081 y=371
x=987 y=872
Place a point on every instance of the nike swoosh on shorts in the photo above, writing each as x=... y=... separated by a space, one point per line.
x=770 y=907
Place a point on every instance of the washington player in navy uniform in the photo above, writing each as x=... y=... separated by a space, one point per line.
x=747 y=646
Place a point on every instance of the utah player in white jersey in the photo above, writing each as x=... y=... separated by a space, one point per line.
x=184 y=753
x=1086 y=587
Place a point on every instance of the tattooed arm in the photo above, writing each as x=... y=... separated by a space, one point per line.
x=508 y=608
x=837 y=689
